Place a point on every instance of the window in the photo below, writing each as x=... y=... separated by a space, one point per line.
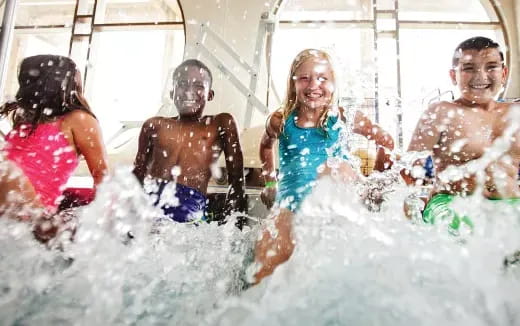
x=130 y=74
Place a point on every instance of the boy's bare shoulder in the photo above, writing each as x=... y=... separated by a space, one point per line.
x=507 y=106
x=157 y=122
x=443 y=105
x=224 y=120
x=438 y=110
x=223 y=117
x=509 y=110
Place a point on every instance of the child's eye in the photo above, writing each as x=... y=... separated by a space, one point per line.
x=322 y=79
x=467 y=69
x=493 y=67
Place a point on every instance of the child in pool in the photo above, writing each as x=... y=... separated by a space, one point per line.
x=183 y=148
x=52 y=126
x=305 y=121
x=461 y=131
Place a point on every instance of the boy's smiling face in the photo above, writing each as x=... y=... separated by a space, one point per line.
x=191 y=91
x=479 y=75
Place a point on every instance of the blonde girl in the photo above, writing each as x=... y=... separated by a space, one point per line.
x=304 y=128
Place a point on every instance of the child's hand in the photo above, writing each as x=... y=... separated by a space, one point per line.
x=383 y=160
x=268 y=195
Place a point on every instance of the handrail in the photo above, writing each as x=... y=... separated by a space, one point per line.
x=266 y=26
x=6 y=35
x=438 y=97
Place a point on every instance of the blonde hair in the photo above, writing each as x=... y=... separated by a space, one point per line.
x=290 y=101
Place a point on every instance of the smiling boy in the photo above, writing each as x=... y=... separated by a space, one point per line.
x=176 y=154
x=461 y=131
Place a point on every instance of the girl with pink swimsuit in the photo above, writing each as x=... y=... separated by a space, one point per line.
x=52 y=126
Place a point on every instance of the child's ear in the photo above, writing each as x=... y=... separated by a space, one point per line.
x=453 y=76
x=505 y=73
x=211 y=94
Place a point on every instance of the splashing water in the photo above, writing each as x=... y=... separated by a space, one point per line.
x=117 y=271
x=350 y=266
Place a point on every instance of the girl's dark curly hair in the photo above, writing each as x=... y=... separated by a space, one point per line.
x=50 y=86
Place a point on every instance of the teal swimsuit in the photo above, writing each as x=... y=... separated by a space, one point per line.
x=302 y=151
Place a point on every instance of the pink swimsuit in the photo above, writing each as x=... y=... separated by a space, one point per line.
x=45 y=157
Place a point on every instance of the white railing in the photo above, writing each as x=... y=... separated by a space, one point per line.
x=266 y=25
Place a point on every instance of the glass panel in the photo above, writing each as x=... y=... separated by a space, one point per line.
x=45 y=12
x=447 y=10
x=385 y=4
x=425 y=63
x=296 y=10
x=129 y=74
x=78 y=53
x=85 y=7
x=133 y=11
x=386 y=24
x=387 y=84
x=31 y=43
x=83 y=26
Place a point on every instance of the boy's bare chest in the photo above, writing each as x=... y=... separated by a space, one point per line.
x=468 y=136
x=199 y=140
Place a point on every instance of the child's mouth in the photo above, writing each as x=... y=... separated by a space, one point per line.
x=313 y=96
x=480 y=86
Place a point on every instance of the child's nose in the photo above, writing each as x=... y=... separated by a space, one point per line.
x=482 y=74
x=314 y=82
x=190 y=88
x=189 y=92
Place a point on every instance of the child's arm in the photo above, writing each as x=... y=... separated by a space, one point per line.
x=271 y=133
x=88 y=140
x=424 y=138
x=426 y=133
x=234 y=161
x=145 y=149
x=365 y=127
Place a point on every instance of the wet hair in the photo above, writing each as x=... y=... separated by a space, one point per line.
x=290 y=102
x=478 y=43
x=193 y=63
x=49 y=87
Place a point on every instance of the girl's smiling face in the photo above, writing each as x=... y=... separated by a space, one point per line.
x=314 y=83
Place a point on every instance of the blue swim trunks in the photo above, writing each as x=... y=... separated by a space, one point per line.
x=178 y=202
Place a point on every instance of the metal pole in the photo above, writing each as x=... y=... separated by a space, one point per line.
x=6 y=35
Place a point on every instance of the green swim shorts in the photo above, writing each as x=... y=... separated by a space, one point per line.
x=439 y=208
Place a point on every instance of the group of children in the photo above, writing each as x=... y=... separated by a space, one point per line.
x=53 y=125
